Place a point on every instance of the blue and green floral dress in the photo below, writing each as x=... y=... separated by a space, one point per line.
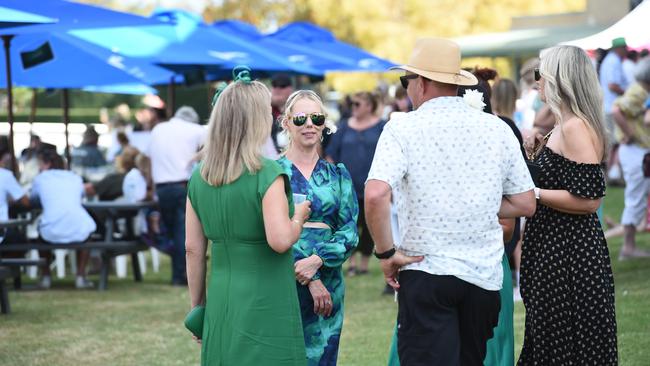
x=334 y=203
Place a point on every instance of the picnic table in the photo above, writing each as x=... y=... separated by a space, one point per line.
x=109 y=246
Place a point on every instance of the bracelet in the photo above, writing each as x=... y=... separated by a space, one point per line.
x=385 y=255
x=297 y=221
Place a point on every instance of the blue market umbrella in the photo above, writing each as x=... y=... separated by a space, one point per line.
x=13 y=18
x=317 y=38
x=294 y=52
x=72 y=15
x=50 y=59
x=61 y=61
x=58 y=60
x=186 y=44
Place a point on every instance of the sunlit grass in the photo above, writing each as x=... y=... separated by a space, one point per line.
x=141 y=323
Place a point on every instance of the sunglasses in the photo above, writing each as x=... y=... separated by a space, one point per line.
x=318 y=119
x=404 y=79
x=538 y=76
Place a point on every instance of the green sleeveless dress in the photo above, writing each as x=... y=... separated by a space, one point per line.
x=252 y=314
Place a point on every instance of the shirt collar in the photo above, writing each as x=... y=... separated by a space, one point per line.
x=442 y=102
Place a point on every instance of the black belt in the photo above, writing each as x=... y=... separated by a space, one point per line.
x=180 y=182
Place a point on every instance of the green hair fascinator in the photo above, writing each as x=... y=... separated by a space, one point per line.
x=242 y=73
x=239 y=73
x=220 y=88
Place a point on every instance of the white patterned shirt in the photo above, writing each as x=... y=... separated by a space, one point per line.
x=451 y=164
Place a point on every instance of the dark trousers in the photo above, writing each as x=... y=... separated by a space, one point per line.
x=171 y=199
x=443 y=320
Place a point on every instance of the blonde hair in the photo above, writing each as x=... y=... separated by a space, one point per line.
x=504 y=97
x=571 y=82
x=239 y=125
x=291 y=102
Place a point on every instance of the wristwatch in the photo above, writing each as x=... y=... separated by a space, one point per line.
x=537 y=191
x=385 y=255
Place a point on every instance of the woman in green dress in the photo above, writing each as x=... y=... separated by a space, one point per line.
x=330 y=235
x=242 y=203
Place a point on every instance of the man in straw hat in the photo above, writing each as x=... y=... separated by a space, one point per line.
x=454 y=170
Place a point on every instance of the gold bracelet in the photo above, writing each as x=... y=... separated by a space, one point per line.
x=297 y=222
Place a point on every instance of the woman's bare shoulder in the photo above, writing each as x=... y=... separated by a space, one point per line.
x=579 y=142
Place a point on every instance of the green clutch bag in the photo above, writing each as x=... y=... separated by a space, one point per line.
x=194 y=320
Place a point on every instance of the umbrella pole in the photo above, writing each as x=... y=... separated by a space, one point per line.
x=66 y=120
x=171 y=98
x=32 y=112
x=10 y=99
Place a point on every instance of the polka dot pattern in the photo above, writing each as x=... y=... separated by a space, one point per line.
x=566 y=277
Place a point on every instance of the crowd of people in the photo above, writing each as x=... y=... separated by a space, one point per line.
x=449 y=168
x=470 y=190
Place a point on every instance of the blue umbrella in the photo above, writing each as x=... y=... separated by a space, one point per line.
x=72 y=15
x=13 y=18
x=185 y=43
x=73 y=63
x=317 y=38
x=296 y=53
x=53 y=59
x=69 y=62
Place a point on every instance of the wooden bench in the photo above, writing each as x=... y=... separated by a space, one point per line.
x=5 y=273
x=108 y=250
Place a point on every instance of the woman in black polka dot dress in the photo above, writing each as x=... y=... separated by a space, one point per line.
x=566 y=277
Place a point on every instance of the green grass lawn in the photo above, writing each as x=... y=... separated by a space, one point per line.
x=141 y=323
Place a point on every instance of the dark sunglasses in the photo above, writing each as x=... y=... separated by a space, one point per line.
x=318 y=119
x=538 y=76
x=404 y=79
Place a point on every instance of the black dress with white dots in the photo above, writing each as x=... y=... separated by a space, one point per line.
x=566 y=276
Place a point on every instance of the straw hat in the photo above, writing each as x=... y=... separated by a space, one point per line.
x=438 y=59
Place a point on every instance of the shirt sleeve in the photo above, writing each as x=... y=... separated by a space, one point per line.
x=345 y=238
x=632 y=103
x=34 y=192
x=613 y=72
x=13 y=189
x=389 y=163
x=516 y=176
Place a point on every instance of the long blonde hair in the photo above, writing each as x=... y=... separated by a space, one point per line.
x=291 y=102
x=571 y=81
x=239 y=125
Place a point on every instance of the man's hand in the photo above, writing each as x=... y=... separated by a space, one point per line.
x=391 y=267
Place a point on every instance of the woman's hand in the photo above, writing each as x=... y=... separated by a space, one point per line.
x=302 y=211
x=306 y=268
x=322 y=298
x=532 y=143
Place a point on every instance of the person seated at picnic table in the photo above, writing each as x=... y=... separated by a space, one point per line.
x=109 y=188
x=64 y=220
x=138 y=187
x=88 y=154
x=10 y=192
